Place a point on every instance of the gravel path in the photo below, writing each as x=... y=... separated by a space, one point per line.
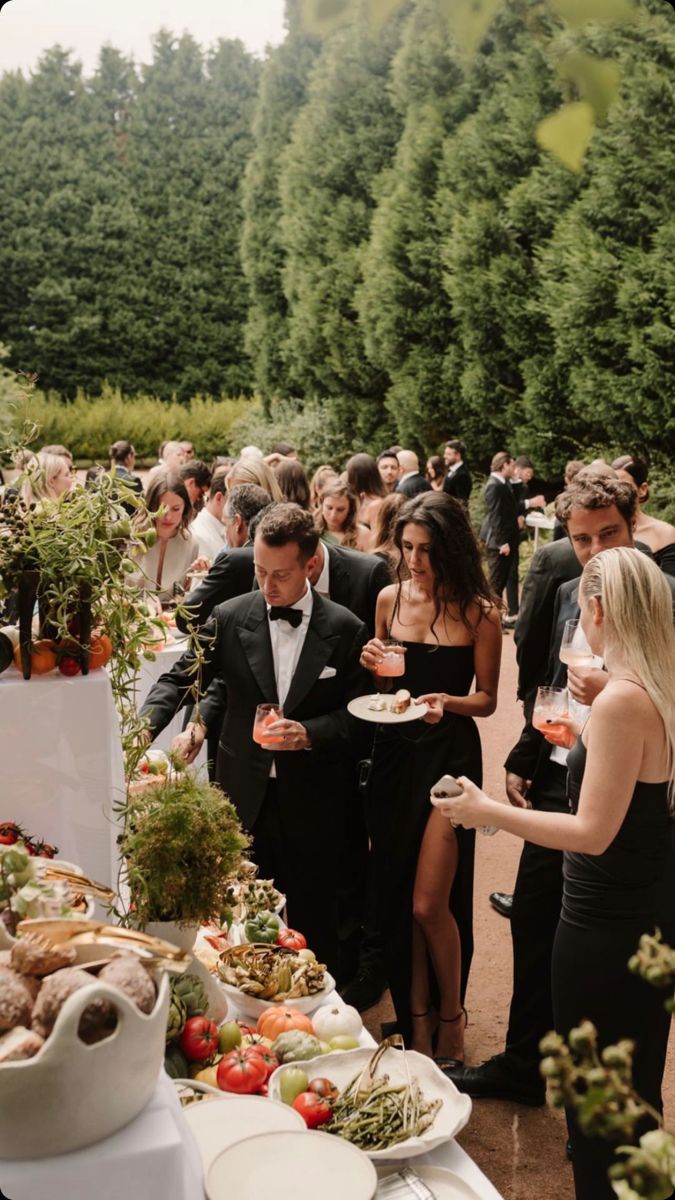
x=522 y=1150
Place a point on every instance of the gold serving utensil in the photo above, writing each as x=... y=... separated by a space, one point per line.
x=154 y=951
x=79 y=883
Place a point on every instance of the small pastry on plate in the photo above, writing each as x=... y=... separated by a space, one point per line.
x=401 y=701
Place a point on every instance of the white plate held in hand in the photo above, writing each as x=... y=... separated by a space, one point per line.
x=360 y=707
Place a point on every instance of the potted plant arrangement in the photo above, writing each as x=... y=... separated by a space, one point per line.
x=181 y=844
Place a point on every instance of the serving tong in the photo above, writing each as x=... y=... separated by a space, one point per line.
x=80 y=884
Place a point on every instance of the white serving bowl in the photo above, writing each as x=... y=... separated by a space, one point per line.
x=250 y=1006
x=291 y=1166
x=342 y=1066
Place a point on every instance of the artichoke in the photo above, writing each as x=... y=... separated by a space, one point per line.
x=192 y=992
x=175 y=1063
x=295 y=1046
x=176 y=1019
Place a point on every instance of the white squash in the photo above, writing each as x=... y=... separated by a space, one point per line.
x=334 y=1021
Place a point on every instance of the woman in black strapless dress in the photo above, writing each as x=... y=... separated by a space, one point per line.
x=423 y=870
x=619 y=877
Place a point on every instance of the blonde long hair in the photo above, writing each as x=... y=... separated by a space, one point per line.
x=254 y=470
x=38 y=471
x=638 y=620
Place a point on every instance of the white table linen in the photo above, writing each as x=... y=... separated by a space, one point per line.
x=148 y=675
x=154 y=1157
x=62 y=764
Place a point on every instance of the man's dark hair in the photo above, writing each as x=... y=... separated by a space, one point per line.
x=523 y=461
x=387 y=454
x=218 y=482
x=500 y=459
x=246 y=501
x=198 y=471
x=286 y=523
x=596 y=491
x=455 y=444
x=120 y=451
x=282 y=448
x=635 y=467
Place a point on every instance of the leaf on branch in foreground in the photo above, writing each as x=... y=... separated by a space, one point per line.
x=602 y=12
x=596 y=78
x=469 y=21
x=567 y=133
x=379 y=11
x=320 y=17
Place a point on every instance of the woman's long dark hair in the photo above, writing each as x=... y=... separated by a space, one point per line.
x=363 y=476
x=453 y=554
x=293 y=482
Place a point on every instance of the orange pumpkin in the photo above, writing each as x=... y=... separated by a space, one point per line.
x=42 y=657
x=280 y=1019
x=100 y=650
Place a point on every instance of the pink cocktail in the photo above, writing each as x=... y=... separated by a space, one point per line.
x=550 y=703
x=266 y=715
x=393 y=662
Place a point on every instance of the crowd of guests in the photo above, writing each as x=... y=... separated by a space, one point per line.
x=296 y=589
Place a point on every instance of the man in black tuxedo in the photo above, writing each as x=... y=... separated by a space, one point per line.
x=284 y=644
x=457 y=482
x=410 y=482
x=598 y=512
x=499 y=530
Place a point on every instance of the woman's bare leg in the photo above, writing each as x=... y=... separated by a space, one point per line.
x=422 y=1021
x=436 y=867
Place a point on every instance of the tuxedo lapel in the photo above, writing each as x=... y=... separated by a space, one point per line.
x=254 y=636
x=316 y=651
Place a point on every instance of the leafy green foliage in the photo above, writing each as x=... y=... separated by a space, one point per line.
x=181 y=842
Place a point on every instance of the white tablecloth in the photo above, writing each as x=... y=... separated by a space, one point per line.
x=153 y=1158
x=62 y=766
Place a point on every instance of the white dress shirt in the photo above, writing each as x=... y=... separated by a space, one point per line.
x=287 y=643
x=210 y=534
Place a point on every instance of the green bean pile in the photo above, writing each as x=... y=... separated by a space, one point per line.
x=380 y=1115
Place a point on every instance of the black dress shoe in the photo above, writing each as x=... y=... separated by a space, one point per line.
x=493 y=1081
x=502 y=903
x=365 y=989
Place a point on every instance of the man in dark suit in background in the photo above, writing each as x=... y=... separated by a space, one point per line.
x=457 y=482
x=284 y=644
x=499 y=529
x=598 y=512
x=410 y=482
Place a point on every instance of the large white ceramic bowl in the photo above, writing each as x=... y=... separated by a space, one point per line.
x=291 y=1166
x=343 y=1066
x=222 y=1121
x=71 y=1094
x=250 y=1006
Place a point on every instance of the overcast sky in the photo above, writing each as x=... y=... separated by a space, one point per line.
x=27 y=27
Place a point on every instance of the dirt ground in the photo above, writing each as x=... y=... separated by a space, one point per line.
x=522 y=1150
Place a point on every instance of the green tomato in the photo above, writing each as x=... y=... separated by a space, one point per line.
x=344 y=1042
x=326 y=1047
x=229 y=1037
x=291 y=1083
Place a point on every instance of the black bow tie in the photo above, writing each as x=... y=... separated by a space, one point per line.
x=292 y=615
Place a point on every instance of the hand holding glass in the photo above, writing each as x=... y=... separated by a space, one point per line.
x=265 y=716
x=393 y=661
x=574 y=649
x=550 y=703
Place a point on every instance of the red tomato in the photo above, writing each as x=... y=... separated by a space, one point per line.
x=290 y=939
x=323 y=1087
x=270 y=1060
x=69 y=665
x=242 y=1071
x=313 y=1109
x=199 y=1039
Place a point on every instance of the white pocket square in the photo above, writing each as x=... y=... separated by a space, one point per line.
x=328 y=673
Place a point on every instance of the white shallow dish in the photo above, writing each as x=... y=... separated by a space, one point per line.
x=444 y=1184
x=250 y=1006
x=358 y=707
x=342 y=1066
x=291 y=1166
x=223 y=1121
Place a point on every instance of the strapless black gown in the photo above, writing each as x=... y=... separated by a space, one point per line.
x=609 y=901
x=407 y=760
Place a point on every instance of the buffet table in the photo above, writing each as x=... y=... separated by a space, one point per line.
x=155 y=1157
x=62 y=765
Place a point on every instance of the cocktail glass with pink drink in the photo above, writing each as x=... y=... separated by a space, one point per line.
x=393 y=662
x=266 y=715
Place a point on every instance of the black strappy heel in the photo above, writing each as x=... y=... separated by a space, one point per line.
x=452 y=1064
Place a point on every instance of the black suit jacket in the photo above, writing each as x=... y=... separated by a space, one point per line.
x=413 y=485
x=237 y=649
x=459 y=484
x=500 y=523
x=355 y=580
